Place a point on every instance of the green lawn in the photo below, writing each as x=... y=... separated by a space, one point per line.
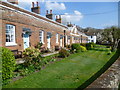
x=70 y=72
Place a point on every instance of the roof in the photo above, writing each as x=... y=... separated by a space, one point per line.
x=16 y=7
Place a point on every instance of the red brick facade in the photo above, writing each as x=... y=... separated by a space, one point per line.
x=21 y=18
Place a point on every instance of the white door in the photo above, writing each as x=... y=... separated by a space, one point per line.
x=26 y=41
x=48 y=42
x=61 y=42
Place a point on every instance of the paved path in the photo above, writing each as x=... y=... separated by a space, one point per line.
x=109 y=79
x=48 y=54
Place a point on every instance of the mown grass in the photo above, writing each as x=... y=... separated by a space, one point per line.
x=70 y=72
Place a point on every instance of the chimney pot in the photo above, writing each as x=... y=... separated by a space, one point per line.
x=33 y=4
x=59 y=16
x=35 y=9
x=50 y=11
x=46 y=11
x=37 y=4
x=56 y=17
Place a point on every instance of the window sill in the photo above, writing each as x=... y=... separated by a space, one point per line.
x=10 y=44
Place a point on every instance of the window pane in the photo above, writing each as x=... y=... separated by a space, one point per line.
x=10 y=33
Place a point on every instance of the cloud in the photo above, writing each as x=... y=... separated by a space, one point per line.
x=75 y=17
x=55 y=6
x=27 y=4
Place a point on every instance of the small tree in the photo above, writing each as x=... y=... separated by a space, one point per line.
x=112 y=36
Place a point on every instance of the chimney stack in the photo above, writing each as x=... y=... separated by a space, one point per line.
x=13 y=1
x=58 y=19
x=46 y=12
x=33 y=4
x=50 y=11
x=37 y=4
x=49 y=15
x=69 y=24
x=35 y=9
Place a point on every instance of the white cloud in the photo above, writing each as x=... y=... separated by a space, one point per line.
x=76 y=17
x=55 y=6
x=27 y=4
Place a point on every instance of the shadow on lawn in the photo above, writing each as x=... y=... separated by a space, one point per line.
x=102 y=70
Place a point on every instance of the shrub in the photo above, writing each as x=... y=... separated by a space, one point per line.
x=109 y=53
x=39 y=45
x=89 y=46
x=32 y=57
x=31 y=52
x=43 y=49
x=83 y=44
x=8 y=65
x=92 y=43
x=75 y=47
x=63 y=53
x=68 y=46
x=83 y=49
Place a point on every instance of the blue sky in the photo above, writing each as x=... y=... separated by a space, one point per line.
x=84 y=14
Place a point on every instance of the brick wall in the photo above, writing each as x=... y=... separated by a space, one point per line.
x=24 y=19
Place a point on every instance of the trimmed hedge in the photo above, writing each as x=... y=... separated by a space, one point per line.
x=83 y=49
x=92 y=43
x=89 y=46
x=8 y=65
x=75 y=47
x=83 y=44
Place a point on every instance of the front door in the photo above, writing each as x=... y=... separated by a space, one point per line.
x=48 y=42
x=26 y=40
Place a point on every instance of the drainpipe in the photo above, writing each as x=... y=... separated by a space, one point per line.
x=81 y=38
x=64 y=38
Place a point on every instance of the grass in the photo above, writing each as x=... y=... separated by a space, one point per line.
x=70 y=72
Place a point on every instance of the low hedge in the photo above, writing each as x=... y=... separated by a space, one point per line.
x=89 y=46
x=83 y=49
x=8 y=65
x=75 y=47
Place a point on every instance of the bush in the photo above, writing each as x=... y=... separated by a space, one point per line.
x=75 y=47
x=31 y=52
x=39 y=45
x=92 y=43
x=68 y=46
x=83 y=44
x=109 y=53
x=89 y=46
x=43 y=49
x=63 y=53
x=8 y=65
x=32 y=57
x=83 y=49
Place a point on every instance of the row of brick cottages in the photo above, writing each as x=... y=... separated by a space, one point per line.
x=22 y=29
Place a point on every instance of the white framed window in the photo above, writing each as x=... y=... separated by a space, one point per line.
x=10 y=35
x=57 y=36
x=41 y=36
